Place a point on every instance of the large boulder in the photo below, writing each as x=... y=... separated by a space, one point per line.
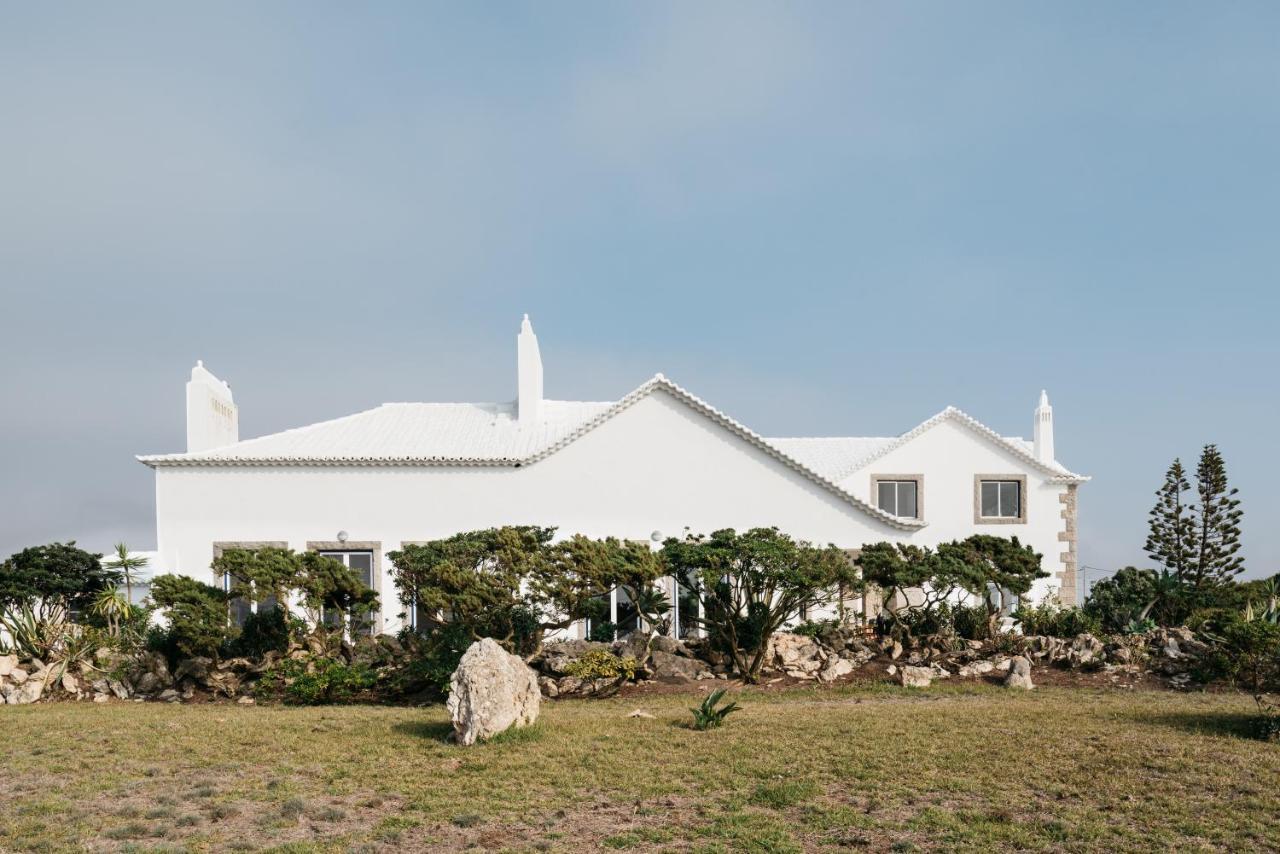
x=835 y=668
x=491 y=691
x=667 y=665
x=795 y=655
x=7 y=664
x=1019 y=673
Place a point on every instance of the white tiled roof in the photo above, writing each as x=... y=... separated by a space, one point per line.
x=409 y=432
x=490 y=434
x=830 y=456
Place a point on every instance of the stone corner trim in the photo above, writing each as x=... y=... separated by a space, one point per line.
x=1067 y=593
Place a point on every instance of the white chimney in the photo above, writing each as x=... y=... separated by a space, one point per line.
x=1043 y=430
x=529 y=374
x=212 y=417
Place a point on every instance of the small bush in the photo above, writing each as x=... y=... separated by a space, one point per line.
x=316 y=681
x=816 y=628
x=602 y=631
x=970 y=622
x=602 y=664
x=1054 y=621
x=707 y=716
x=266 y=631
x=197 y=615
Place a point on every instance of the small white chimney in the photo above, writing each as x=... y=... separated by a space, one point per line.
x=529 y=374
x=212 y=417
x=1043 y=430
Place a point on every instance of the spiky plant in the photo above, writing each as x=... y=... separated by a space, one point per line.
x=708 y=716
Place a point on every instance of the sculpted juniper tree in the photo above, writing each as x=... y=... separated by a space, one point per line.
x=996 y=569
x=914 y=581
x=749 y=585
x=515 y=584
x=322 y=584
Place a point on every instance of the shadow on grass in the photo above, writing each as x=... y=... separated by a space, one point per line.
x=1229 y=724
x=438 y=731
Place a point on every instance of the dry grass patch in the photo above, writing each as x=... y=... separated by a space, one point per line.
x=958 y=767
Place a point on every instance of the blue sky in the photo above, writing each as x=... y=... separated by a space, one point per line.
x=825 y=218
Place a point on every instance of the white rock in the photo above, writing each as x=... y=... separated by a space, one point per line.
x=915 y=677
x=101 y=698
x=27 y=693
x=490 y=692
x=836 y=668
x=1019 y=674
x=7 y=664
x=18 y=676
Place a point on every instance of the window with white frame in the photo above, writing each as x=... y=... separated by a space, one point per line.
x=1000 y=499
x=899 y=497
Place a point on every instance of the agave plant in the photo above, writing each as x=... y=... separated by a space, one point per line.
x=33 y=631
x=707 y=716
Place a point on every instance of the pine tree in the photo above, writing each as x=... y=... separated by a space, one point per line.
x=1216 y=533
x=1170 y=543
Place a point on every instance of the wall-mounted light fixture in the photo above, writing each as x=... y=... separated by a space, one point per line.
x=342 y=536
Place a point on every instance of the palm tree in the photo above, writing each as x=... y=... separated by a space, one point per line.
x=126 y=563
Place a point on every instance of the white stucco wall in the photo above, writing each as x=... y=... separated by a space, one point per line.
x=949 y=455
x=658 y=465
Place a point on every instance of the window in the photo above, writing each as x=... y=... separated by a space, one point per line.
x=686 y=611
x=240 y=608
x=899 y=497
x=1000 y=499
x=361 y=565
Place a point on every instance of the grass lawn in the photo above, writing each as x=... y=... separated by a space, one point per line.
x=956 y=767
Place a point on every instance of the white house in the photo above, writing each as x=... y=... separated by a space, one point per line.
x=646 y=466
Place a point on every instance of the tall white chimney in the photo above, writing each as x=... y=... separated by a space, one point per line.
x=529 y=374
x=212 y=417
x=1043 y=430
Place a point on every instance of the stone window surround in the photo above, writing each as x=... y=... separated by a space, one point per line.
x=1020 y=519
x=918 y=478
x=373 y=546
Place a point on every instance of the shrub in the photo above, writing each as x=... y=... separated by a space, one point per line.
x=1250 y=659
x=602 y=664
x=816 y=628
x=1055 y=621
x=433 y=659
x=316 y=681
x=971 y=622
x=602 y=631
x=197 y=615
x=708 y=716
x=266 y=631
x=58 y=574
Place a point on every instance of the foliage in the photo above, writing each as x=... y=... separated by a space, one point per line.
x=918 y=581
x=815 y=628
x=324 y=584
x=1214 y=559
x=971 y=622
x=1055 y=621
x=44 y=631
x=1135 y=595
x=112 y=608
x=514 y=584
x=434 y=657
x=708 y=716
x=602 y=664
x=1250 y=658
x=602 y=631
x=128 y=566
x=266 y=630
x=751 y=584
x=197 y=616
x=58 y=573
x=1172 y=523
x=1140 y=627
x=316 y=681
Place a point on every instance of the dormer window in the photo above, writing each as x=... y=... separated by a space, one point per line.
x=898 y=494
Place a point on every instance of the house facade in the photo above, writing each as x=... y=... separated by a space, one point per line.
x=649 y=465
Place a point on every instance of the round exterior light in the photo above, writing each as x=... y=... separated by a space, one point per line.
x=656 y=536
x=342 y=536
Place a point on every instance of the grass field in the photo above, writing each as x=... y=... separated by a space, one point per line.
x=959 y=767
